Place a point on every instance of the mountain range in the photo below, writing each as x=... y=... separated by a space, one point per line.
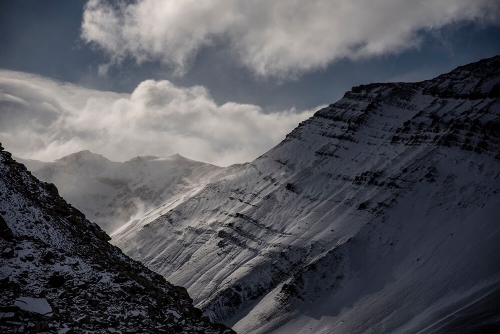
x=59 y=274
x=110 y=193
x=378 y=214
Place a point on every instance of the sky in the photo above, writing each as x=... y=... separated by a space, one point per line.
x=220 y=81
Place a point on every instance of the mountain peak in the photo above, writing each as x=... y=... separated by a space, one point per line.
x=143 y=158
x=83 y=156
x=476 y=80
x=178 y=157
x=174 y=158
x=53 y=258
x=362 y=207
x=473 y=81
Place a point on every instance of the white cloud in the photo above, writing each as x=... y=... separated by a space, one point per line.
x=44 y=119
x=279 y=38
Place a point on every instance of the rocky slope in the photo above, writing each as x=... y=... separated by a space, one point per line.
x=113 y=193
x=378 y=214
x=59 y=274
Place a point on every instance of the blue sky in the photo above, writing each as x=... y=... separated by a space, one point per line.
x=268 y=58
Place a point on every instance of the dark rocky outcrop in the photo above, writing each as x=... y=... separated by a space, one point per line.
x=58 y=273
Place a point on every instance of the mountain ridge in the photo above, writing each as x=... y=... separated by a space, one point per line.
x=244 y=245
x=355 y=222
x=113 y=193
x=58 y=273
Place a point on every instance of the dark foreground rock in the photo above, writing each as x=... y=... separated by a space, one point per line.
x=58 y=273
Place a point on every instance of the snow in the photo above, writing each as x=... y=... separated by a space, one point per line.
x=36 y=305
x=424 y=240
x=372 y=216
x=113 y=193
x=55 y=254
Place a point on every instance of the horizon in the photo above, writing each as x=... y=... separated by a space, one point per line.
x=222 y=92
x=147 y=156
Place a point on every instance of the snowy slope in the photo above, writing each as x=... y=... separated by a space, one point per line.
x=58 y=273
x=113 y=193
x=378 y=214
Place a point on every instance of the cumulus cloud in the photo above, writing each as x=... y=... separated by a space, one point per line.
x=44 y=119
x=277 y=38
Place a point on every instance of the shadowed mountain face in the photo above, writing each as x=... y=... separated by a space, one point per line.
x=113 y=193
x=59 y=274
x=380 y=214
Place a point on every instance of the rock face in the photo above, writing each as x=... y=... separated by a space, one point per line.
x=112 y=193
x=379 y=213
x=58 y=273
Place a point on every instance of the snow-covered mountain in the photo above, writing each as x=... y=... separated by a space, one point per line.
x=378 y=214
x=112 y=193
x=58 y=273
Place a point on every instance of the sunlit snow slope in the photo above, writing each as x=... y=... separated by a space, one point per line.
x=112 y=193
x=378 y=214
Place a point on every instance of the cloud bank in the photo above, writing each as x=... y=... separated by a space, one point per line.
x=45 y=120
x=274 y=38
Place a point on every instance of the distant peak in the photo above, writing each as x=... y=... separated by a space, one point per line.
x=173 y=158
x=79 y=153
x=181 y=158
x=142 y=158
x=177 y=156
x=84 y=155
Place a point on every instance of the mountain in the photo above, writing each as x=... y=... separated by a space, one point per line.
x=58 y=273
x=113 y=193
x=378 y=214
